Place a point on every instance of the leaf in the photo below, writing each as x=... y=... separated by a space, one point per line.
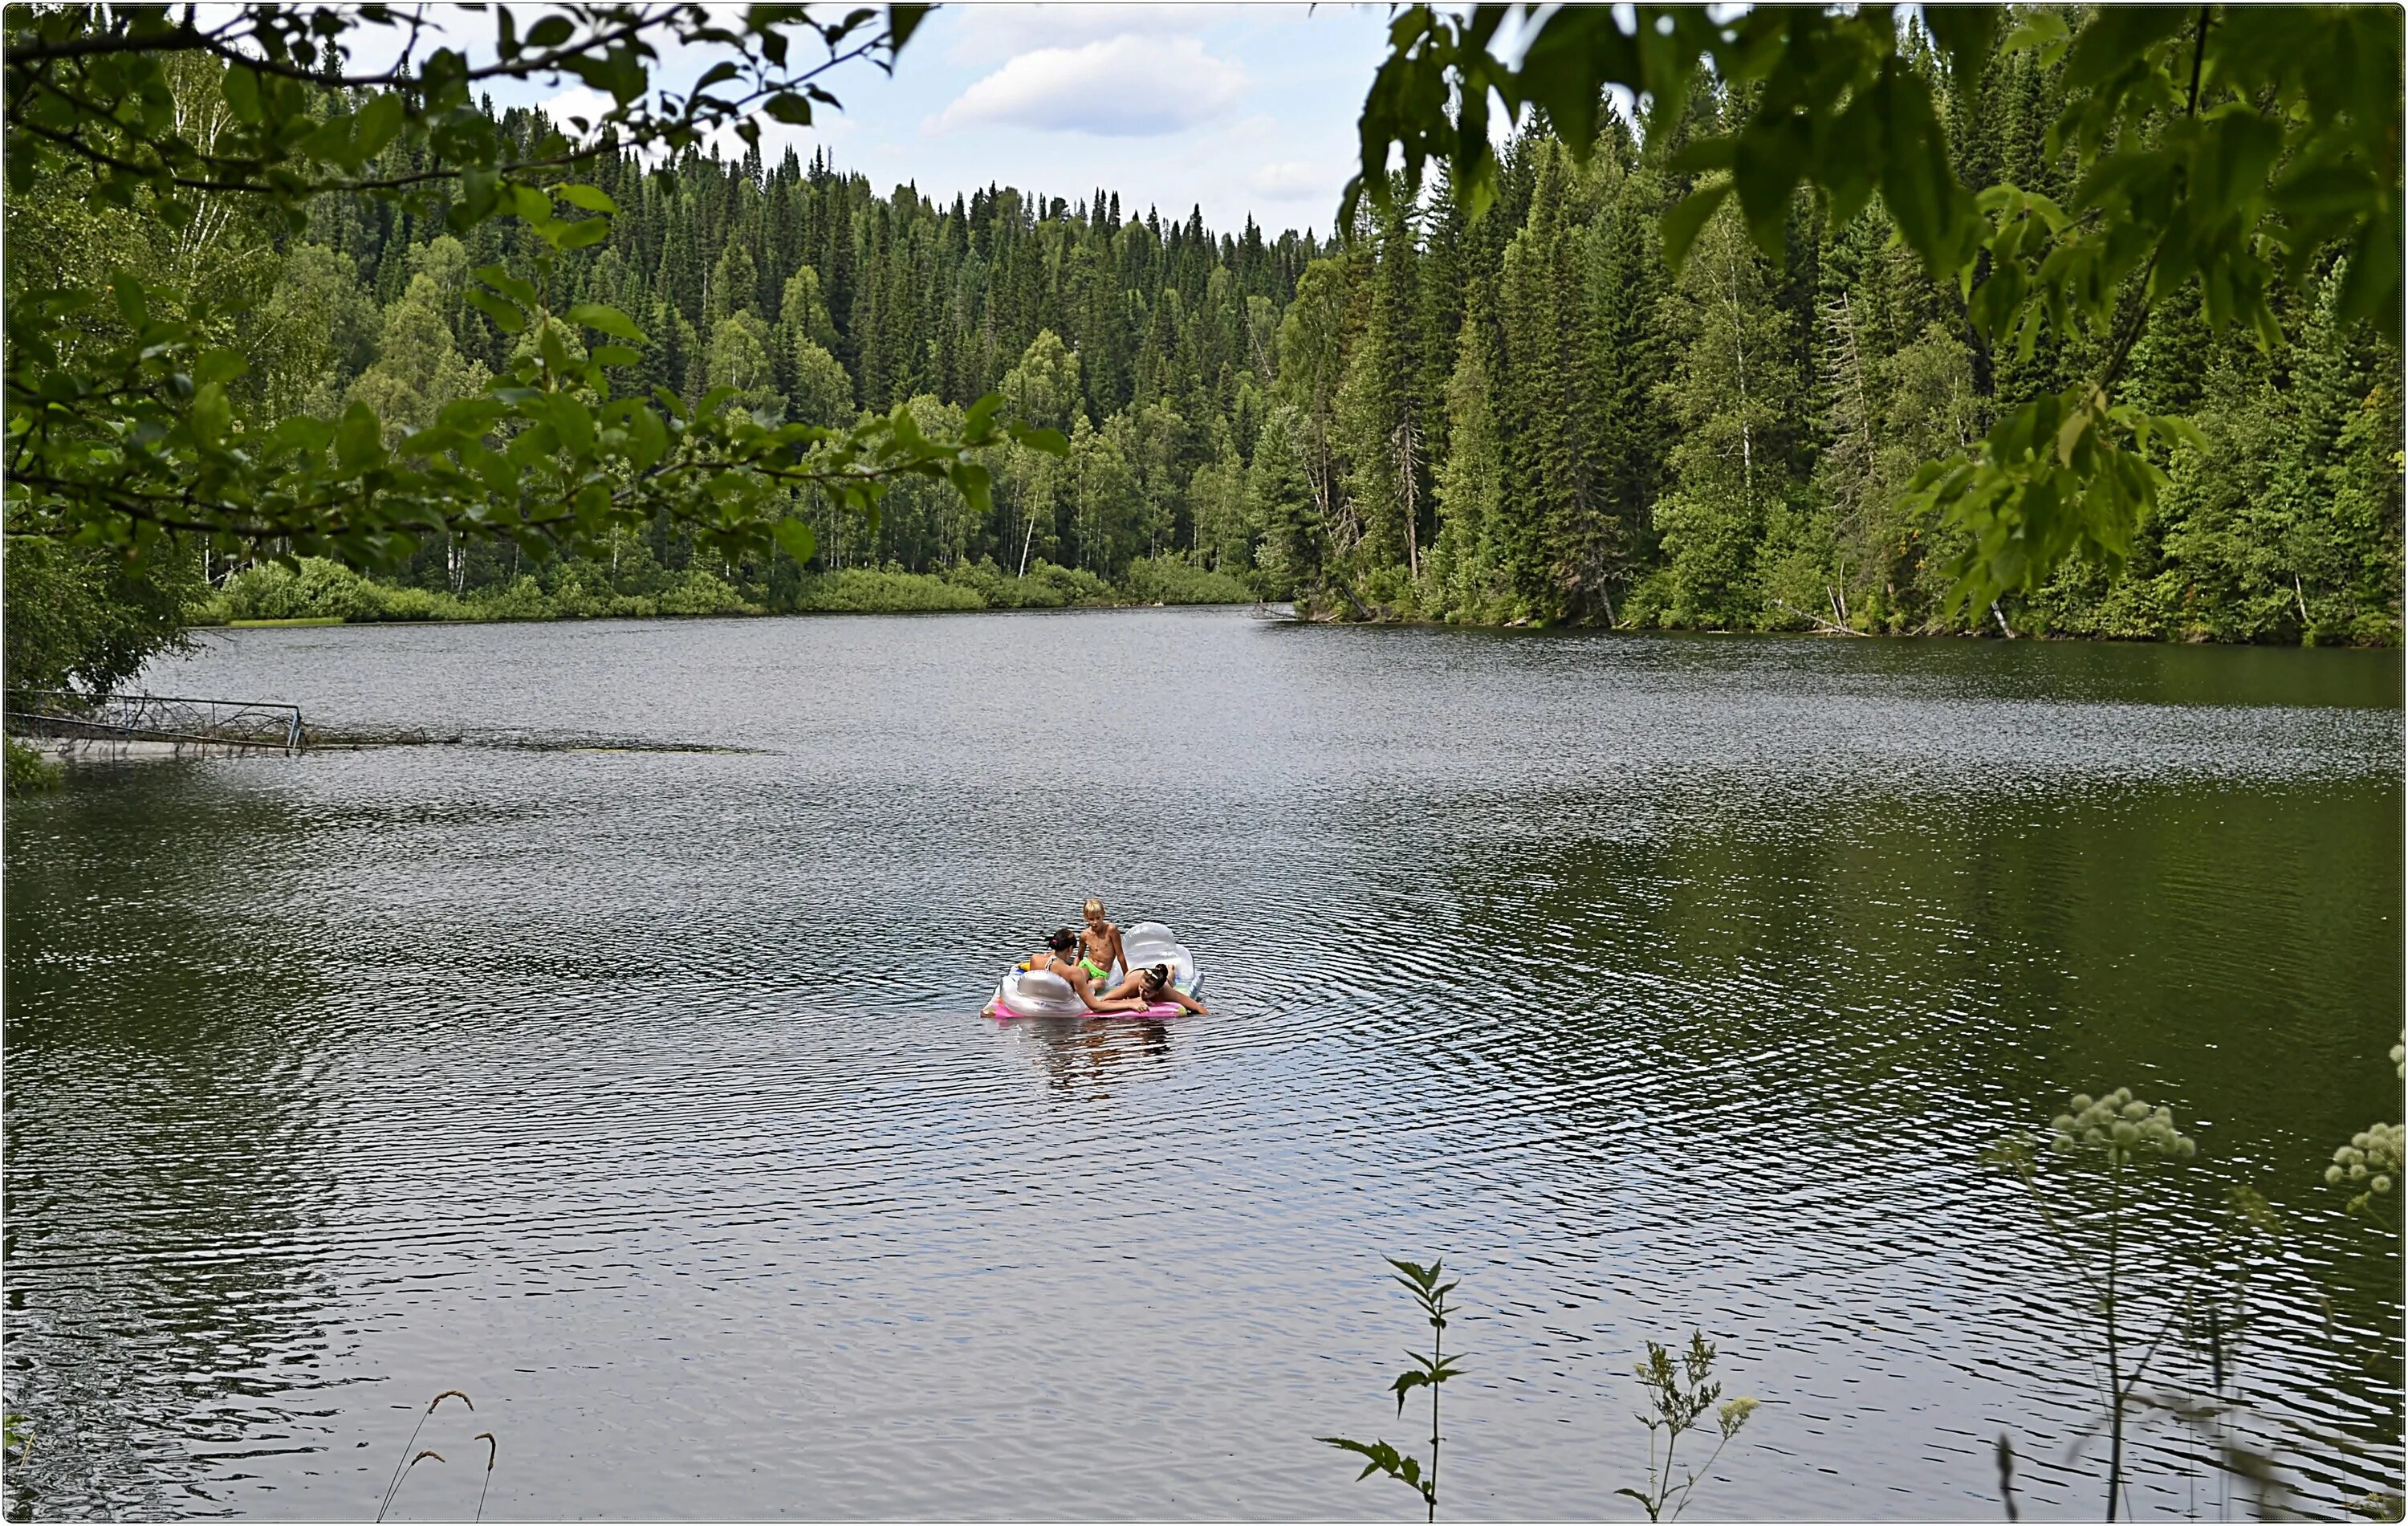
x=211 y=415
x=133 y=302
x=648 y=438
x=531 y=203
x=500 y=476
x=506 y=316
x=1765 y=163
x=592 y=198
x=608 y=320
x=1965 y=34
x=1576 y=54
x=1686 y=219
x=509 y=285
x=242 y=92
x=579 y=234
x=1934 y=213
x=551 y=32
x=2045 y=30
x=218 y=366
x=1382 y=1457
x=1704 y=153
x=299 y=433
x=974 y=484
x=359 y=438
x=575 y=422
x=789 y=109
x=378 y=123
x=796 y=540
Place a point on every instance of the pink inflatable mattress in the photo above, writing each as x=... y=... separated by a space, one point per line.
x=1160 y=1009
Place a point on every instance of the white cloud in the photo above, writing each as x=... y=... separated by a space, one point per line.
x=984 y=31
x=577 y=101
x=1290 y=178
x=829 y=127
x=1119 y=87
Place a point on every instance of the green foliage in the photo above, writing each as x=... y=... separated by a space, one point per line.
x=576 y=589
x=862 y=591
x=16 y=1430
x=28 y=773
x=1734 y=386
x=126 y=430
x=1680 y=1396
x=1425 y=1373
x=616 y=380
x=87 y=618
x=2214 y=147
x=1167 y=580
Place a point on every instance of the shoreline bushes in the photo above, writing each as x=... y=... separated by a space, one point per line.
x=323 y=589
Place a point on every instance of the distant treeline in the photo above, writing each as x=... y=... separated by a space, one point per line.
x=1521 y=419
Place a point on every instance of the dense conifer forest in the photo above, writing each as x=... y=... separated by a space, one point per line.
x=1520 y=419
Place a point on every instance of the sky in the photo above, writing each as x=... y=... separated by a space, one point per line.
x=1242 y=109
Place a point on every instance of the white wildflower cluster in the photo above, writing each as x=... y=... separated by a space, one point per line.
x=2368 y=1163
x=2121 y=1129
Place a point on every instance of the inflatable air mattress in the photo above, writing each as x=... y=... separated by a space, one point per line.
x=1040 y=993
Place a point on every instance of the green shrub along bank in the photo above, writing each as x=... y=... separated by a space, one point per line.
x=27 y=771
x=580 y=590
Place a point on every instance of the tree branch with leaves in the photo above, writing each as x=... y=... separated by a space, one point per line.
x=121 y=429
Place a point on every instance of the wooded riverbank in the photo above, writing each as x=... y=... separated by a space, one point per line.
x=321 y=591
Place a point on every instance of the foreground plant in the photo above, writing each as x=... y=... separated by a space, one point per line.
x=2368 y=1167
x=1427 y=1372
x=411 y=1456
x=2108 y=1143
x=1679 y=1396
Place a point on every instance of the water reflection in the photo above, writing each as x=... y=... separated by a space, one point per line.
x=1089 y=1057
x=164 y=1292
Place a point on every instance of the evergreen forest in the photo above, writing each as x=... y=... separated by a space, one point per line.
x=1521 y=418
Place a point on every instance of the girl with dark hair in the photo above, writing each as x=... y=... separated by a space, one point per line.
x=1055 y=958
x=1150 y=986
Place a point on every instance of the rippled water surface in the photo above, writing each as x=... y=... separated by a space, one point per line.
x=1656 y=982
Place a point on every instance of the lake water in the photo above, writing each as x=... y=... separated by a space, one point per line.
x=1656 y=982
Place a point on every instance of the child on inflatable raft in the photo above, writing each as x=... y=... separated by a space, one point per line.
x=1139 y=991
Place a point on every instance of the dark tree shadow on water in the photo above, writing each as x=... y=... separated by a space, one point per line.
x=163 y=1019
